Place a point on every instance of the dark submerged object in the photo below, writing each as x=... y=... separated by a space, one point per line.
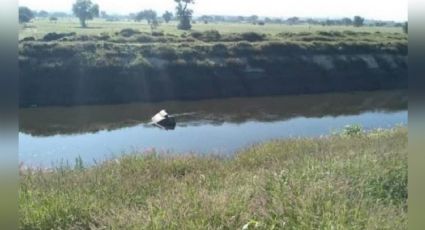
x=164 y=120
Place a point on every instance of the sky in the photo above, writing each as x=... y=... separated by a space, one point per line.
x=371 y=9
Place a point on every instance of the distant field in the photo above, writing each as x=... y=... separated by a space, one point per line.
x=39 y=27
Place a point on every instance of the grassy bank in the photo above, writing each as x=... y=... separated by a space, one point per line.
x=131 y=65
x=348 y=181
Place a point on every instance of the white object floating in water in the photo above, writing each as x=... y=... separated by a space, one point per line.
x=160 y=116
x=163 y=120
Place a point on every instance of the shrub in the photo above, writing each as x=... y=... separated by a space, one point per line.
x=128 y=32
x=56 y=36
x=144 y=38
x=189 y=54
x=63 y=51
x=158 y=33
x=252 y=36
x=166 y=52
x=349 y=32
x=243 y=48
x=165 y=39
x=211 y=35
x=231 y=37
x=83 y=38
x=104 y=36
x=26 y=39
x=352 y=130
x=288 y=34
x=201 y=49
x=194 y=34
x=330 y=33
x=207 y=36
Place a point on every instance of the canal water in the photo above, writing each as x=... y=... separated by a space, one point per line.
x=55 y=135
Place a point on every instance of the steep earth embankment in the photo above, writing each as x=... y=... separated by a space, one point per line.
x=72 y=70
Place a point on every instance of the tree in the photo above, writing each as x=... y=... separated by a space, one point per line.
x=329 y=22
x=311 y=21
x=85 y=10
x=139 y=16
x=103 y=14
x=43 y=14
x=293 y=20
x=347 y=21
x=59 y=14
x=148 y=15
x=405 y=27
x=379 y=23
x=241 y=18
x=253 y=18
x=25 y=14
x=184 y=14
x=358 y=21
x=132 y=16
x=278 y=21
x=218 y=18
x=167 y=16
x=53 y=19
x=206 y=19
x=154 y=24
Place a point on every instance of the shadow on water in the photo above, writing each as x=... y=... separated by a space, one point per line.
x=90 y=119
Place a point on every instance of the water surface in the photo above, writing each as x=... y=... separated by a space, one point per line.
x=222 y=126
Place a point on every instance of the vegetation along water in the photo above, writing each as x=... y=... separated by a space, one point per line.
x=307 y=111
x=119 y=62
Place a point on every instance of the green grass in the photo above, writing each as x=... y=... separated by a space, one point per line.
x=120 y=62
x=346 y=181
x=39 y=27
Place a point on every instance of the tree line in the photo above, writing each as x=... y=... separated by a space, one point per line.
x=86 y=10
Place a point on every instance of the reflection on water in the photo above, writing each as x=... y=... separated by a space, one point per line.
x=82 y=119
x=49 y=135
